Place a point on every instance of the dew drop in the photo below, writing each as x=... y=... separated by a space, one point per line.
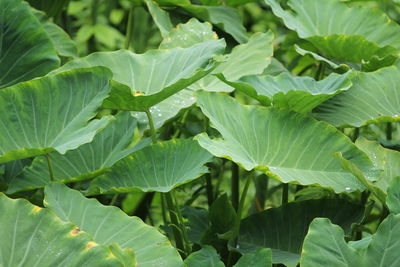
x=347 y=188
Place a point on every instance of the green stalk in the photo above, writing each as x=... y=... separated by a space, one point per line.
x=319 y=75
x=47 y=156
x=113 y=200
x=285 y=193
x=182 y=225
x=177 y=222
x=209 y=188
x=389 y=131
x=93 y=18
x=152 y=128
x=239 y=214
x=173 y=214
x=235 y=186
x=129 y=29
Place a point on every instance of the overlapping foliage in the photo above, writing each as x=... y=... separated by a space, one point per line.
x=199 y=133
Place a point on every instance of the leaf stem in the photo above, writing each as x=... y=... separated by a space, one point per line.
x=129 y=29
x=152 y=128
x=181 y=225
x=209 y=188
x=285 y=193
x=173 y=214
x=319 y=75
x=235 y=186
x=47 y=156
x=113 y=200
x=389 y=131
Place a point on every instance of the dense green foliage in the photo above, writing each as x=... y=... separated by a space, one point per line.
x=199 y=133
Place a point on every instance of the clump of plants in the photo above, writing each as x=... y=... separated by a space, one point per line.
x=199 y=133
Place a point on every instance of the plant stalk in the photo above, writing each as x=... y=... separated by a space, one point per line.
x=173 y=214
x=319 y=75
x=209 y=188
x=285 y=193
x=129 y=29
x=51 y=173
x=235 y=186
x=389 y=131
x=152 y=128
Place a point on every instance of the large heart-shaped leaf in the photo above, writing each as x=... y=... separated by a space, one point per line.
x=144 y=80
x=300 y=94
x=51 y=113
x=340 y=32
x=374 y=97
x=188 y=34
x=250 y=58
x=385 y=159
x=283 y=229
x=207 y=256
x=260 y=258
x=159 y=167
x=85 y=162
x=32 y=236
x=109 y=224
x=289 y=146
x=60 y=39
x=324 y=238
x=26 y=51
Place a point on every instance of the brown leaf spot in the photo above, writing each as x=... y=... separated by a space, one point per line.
x=75 y=231
x=90 y=245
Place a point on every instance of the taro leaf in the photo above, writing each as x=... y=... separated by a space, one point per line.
x=160 y=17
x=300 y=94
x=289 y=146
x=385 y=159
x=340 y=32
x=33 y=236
x=225 y=18
x=61 y=41
x=85 y=162
x=159 y=167
x=333 y=65
x=188 y=34
x=125 y=256
x=144 y=80
x=260 y=258
x=283 y=229
x=197 y=223
x=52 y=113
x=245 y=59
x=393 y=196
x=166 y=109
x=52 y=8
x=222 y=217
x=26 y=51
x=108 y=224
x=374 y=97
x=205 y=257
x=327 y=239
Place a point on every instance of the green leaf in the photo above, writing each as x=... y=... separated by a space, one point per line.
x=225 y=18
x=393 y=196
x=144 y=80
x=108 y=224
x=351 y=167
x=61 y=41
x=160 y=17
x=197 y=223
x=52 y=8
x=289 y=146
x=300 y=94
x=340 y=32
x=32 y=236
x=205 y=257
x=26 y=51
x=260 y=258
x=85 y=162
x=222 y=217
x=374 y=97
x=249 y=58
x=52 y=113
x=384 y=159
x=125 y=256
x=188 y=34
x=167 y=109
x=159 y=167
x=326 y=239
x=283 y=229
x=333 y=65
